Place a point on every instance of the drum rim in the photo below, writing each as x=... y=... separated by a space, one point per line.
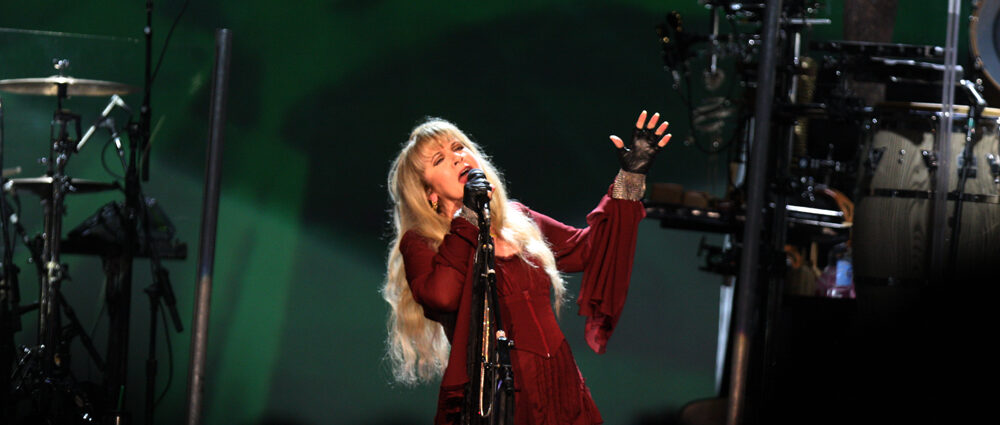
x=959 y=110
x=985 y=9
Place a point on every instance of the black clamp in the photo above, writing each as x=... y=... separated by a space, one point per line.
x=874 y=157
x=930 y=159
x=994 y=162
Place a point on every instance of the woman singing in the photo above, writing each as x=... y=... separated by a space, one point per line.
x=428 y=282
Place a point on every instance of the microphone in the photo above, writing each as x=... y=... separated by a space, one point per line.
x=973 y=93
x=479 y=196
x=115 y=101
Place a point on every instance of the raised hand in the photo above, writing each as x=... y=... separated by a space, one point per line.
x=646 y=143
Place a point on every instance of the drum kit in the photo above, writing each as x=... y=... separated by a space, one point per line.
x=38 y=383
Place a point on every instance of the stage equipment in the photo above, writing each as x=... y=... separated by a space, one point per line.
x=64 y=86
x=43 y=371
x=899 y=165
x=119 y=233
x=810 y=143
x=747 y=292
x=10 y=298
x=489 y=397
x=982 y=37
x=209 y=220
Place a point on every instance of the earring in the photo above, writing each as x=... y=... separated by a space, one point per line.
x=434 y=205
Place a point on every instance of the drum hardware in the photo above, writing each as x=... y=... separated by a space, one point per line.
x=914 y=161
x=898 y=196
x=966 y=163
x=107 y=122
x=43 y=185
x=994 y=163
x=43 y=372
x=930 y=159
x=718 y=259
x=874 y=157
x=866 y=48
x=913 y=67
x=984 y=48
x=927 y=194
x=10 y=294
x=966 y=166
x=827 y=165
x=64 y=86
x=51 y=386
x=7 y=172
x=974 y=92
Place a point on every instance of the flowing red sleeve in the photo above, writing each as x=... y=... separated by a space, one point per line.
x=437 y=278
x=604 y=251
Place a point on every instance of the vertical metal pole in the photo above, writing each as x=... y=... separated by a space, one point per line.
x=746 y=295
x=209 y=219
x=939 y=211
x=7 y=304
x=145 y=113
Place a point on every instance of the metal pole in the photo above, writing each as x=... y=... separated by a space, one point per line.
x=939 y=211
x=209 y=219
x=746 y=295
x=8 y=313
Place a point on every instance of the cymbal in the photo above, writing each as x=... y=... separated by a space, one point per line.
x=49 y=86
x=42 y=186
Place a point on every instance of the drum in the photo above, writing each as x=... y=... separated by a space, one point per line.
x=891 y=237
x=983 y=30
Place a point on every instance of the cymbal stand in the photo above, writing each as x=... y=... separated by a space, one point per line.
x=10 y=298
x=43 y=371
x=53 y=209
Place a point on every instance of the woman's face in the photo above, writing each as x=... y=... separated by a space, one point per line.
x=446 y=165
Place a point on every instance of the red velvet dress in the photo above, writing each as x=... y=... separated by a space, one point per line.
x=549 y=387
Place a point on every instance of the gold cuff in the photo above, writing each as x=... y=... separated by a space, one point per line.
x=629 y=186
x=468 y=214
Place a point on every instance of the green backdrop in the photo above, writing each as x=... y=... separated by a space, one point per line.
x=322 y=94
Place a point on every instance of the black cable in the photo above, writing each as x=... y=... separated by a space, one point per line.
x=97 y=321
x=104 y=161
x=170 y=358
x=166 y=42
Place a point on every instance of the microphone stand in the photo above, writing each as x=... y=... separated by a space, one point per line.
x=490 y=396
x=136 y=209
x=972 y=136
x=145 y=112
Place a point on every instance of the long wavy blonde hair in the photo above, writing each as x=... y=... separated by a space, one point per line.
x=417 y=346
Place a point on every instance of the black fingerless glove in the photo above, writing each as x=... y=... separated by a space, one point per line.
x=477 y=190
x=639 y=158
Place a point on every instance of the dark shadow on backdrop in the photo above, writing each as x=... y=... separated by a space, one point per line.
x=526 y=87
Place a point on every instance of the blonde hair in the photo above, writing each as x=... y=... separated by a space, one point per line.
x=417 y=346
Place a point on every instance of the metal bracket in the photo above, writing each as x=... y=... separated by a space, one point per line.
x=994 y=163
x=960 y=165
x=930 y=159
x=874 y=157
